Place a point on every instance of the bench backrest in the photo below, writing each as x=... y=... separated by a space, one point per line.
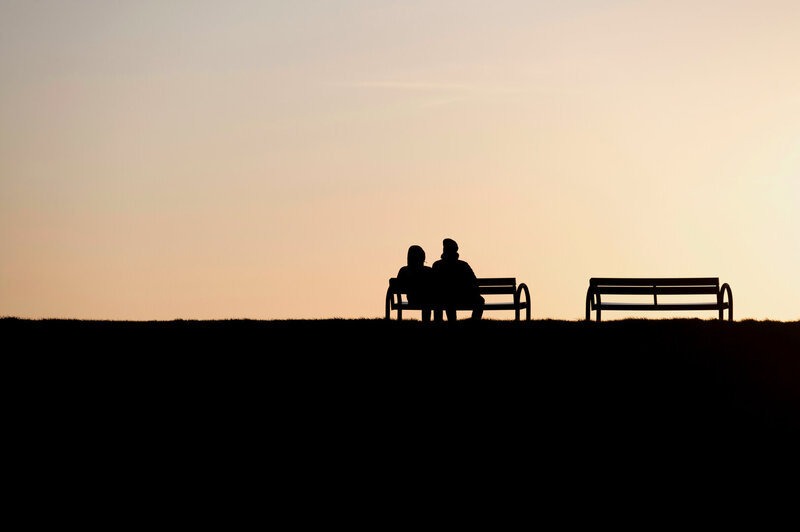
x=497 y=285
x=486 y=285
x=654 y=286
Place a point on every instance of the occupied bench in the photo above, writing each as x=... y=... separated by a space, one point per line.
x=655 y=287
x=486 y=286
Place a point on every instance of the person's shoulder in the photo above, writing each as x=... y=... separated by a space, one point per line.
x=402 y=271
x=465 y=268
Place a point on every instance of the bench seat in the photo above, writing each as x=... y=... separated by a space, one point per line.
x=653 y=287
x=486 y=286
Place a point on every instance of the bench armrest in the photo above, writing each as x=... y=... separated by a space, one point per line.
x=721 y=298
x=517 y=296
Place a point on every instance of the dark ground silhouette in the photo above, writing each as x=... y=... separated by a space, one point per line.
x=489 y=409
x=629 y=375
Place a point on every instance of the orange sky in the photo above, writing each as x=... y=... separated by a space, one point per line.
x=253 y=159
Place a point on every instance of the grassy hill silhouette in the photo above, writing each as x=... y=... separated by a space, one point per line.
x=492 y=377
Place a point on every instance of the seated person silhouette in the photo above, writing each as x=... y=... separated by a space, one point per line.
x=417 y=280
x=458 y=286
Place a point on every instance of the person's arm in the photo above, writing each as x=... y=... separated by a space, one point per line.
x=473 y=279
x=402 y=276
x=472 y=275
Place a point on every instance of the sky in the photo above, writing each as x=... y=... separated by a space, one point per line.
x=268 y=160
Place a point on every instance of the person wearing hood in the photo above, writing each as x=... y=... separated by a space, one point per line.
x=417 y=280
x=458 y=286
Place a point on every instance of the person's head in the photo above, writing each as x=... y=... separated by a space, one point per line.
x=416 y=256
x=449 y=249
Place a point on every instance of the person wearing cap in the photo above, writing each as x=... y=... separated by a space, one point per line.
x=417 y=280
x=457 y=283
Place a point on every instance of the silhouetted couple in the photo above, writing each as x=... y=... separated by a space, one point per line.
x=448 y=285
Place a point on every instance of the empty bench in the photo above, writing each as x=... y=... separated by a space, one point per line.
x=395 y=299
x=599 y=287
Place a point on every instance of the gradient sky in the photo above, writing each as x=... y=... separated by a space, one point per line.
x=255 y=159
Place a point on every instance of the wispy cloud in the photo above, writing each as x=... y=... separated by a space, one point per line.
x=441 y=93
x=427 y=86
x=409 y=85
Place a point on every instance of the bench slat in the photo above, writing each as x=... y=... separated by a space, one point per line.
x=666 y=306
x=485 y=281
x=487 y=306
x=495 y=281
x=497 y=289
x=650 y=290
x=501 y=306
x=650 y=281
